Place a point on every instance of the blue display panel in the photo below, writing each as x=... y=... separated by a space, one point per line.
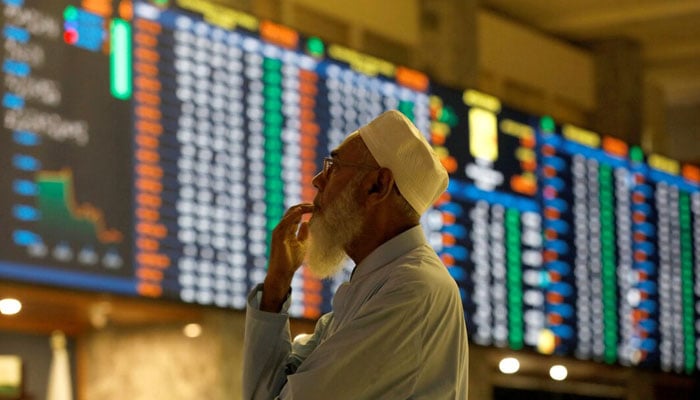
x=150 y=147
x=65 y=210
x=623 y=259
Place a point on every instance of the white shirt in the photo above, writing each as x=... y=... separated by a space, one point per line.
x=397 y=331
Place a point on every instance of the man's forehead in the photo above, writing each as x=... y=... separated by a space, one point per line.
x=351 y=145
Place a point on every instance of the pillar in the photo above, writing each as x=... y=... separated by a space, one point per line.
x=619 y=89
x=447 y=51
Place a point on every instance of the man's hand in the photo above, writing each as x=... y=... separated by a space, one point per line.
x=288 y=248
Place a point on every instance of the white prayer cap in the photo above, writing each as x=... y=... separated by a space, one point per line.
x=397 y=144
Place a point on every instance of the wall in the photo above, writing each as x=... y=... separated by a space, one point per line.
x=532 y=71
x=683 y=147
x=380 y=17
x=160 y=363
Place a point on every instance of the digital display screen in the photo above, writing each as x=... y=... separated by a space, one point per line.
x=150 y=147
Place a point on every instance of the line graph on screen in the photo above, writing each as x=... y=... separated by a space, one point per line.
x=52 y=223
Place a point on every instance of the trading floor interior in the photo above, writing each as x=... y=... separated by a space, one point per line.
x=141 y=178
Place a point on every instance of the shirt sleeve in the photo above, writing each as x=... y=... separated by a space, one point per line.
x=266 y=346
x=269 y=355
x=377 y=356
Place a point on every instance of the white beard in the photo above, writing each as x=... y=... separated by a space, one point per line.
x=332 y=231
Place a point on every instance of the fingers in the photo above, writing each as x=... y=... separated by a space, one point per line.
x=292 y=217
x=294 y=213
x=303 y=233
x=301 y=208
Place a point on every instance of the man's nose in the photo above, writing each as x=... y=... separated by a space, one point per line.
x=318 y=180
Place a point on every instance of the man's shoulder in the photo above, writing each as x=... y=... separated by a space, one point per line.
x=422 y=268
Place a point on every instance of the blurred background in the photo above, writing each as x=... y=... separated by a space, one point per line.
x=109 y=236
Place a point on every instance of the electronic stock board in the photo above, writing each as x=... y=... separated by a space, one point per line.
x=148 y=148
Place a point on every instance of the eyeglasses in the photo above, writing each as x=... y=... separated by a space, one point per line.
x=330 y=163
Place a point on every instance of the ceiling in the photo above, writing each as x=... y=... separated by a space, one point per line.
x=668 y=32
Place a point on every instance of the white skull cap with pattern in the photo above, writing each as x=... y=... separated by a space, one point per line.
x=398 y=145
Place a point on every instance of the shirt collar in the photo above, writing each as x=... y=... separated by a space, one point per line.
x=390 y=250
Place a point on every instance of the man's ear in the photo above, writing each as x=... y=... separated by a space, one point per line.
x=382 y=185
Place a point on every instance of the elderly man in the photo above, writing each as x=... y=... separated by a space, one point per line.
x=397 y=328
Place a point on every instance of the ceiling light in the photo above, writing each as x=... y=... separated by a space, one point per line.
x=99 y=314
x=509 y=365
x=10 y=306
x=558 y=372
x=192 y=330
